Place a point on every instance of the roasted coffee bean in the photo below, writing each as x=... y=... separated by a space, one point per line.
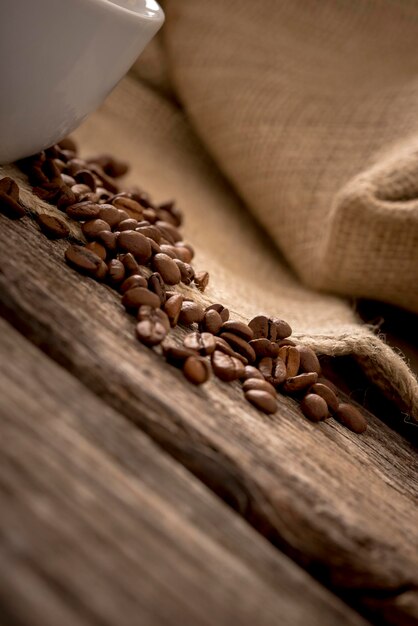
x=285 y=342
x=224 y=347
x=131 y=265
x=167 y=267
x=51 y=170
x=98 y=249
x=252 y=372
x=107 y=182
x=127 y=224
x=328 y=383
x=261 y=385
x=85 y=177
x=48 y=192
x=82 y=211
x=123 y=215
x=314 y=407
x=116 y=271
x=196 y=370
x=67 y=179
x=300 y=382
x=226 y=367
x=110 y=165
x=172 y=307
x=149 y=312
x=136 y=244
x=211 y=322
x=273 y=370
x=264 y=347
x=150 y=215
x=81 y=191
x=191 y=312
x=291 y=358
x=240 y=345
x=150 y=332
x=149 y=231
x=283 y=329
x=308 y=360
x=262 y=400
x=183 y=253
x=201 y=280
x=169 y=231
x=219 y=308
x=83 y=260
x=9 y=199
x=237 y=328
x=110 y=214
x=66 y=197
x=327 y=394
x=68 y=144
x=108 y=240
x=186 y=271
x=169 y=250
x=156 y=284
x=92 y=228
x=102 y=271
x=76 y=165
x=137 y=296
x=260 y=327
x=269 y=327
x=136 y=280
x=155 y=248
x=132 y=208
x=176 y=355
x=351 y=417
x=185 y=244
x=203 y=343
x=52 y=226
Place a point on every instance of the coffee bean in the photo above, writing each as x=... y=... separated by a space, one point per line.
x=9 y=199
x=169 y=231
x=85 y=177
x=82 y=211
x=351 y=417
x=127 y=224
x=137 y=296
x=261 y=385
x=186 y=271
x=262 y=400
x=183 y=253
x=150 y=215
x=219 y=308
x=185 y=244
x=211 y=322
x=314 y=407
x=52 y=226
x=269 y=328
x=66 y=197
x=155 y=248
x=148 y=312
x=108 y=239
x=98 y=249
x=283 y=329
x=80 y=190
x=226 y=367
x=176 y=355
x=92 y=228
x=68 y=180
x=111 y=166
x=167 y=267
x=172 y=307
x=68 y=144
x=110 y=214
x=191 y=312
x=308 y=360
x=107 y=182
x=224 y=347
x=149 y=231
x=240 y=345
x=273 y=370
x=327 y=394
x=203 y=343
x=156 y=284
x=136 y=244
x=291 y=358
x=76 y=165
x=238 y=328
x=83 y=260
x=169 y=250
x=260 y=326
x=132 y=208
x=136 y=280
x=130 y=264
x=196 y=370
x=252 y=372
x=116 y=271
x=102 y=271
x=201 y=280
x=300 y=382
x=328 y=383
x=264 y=347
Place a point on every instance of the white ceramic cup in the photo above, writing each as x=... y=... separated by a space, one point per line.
x=59 y=59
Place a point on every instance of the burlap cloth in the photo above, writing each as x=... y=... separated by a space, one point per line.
x=308 y=110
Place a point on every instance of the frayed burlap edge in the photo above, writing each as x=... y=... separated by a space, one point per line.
x=382 y=365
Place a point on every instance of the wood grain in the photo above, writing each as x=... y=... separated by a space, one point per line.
x=99 y=526
x=343 y=506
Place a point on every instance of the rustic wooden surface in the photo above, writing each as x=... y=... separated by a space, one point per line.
x=99 y=526
x=342 y=506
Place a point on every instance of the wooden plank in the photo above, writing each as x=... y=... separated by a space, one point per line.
x=98 y=525
x=343 y=506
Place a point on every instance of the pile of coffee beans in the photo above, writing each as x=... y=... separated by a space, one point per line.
x=136 y=247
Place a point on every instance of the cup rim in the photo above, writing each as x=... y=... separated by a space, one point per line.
x=154 y=14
